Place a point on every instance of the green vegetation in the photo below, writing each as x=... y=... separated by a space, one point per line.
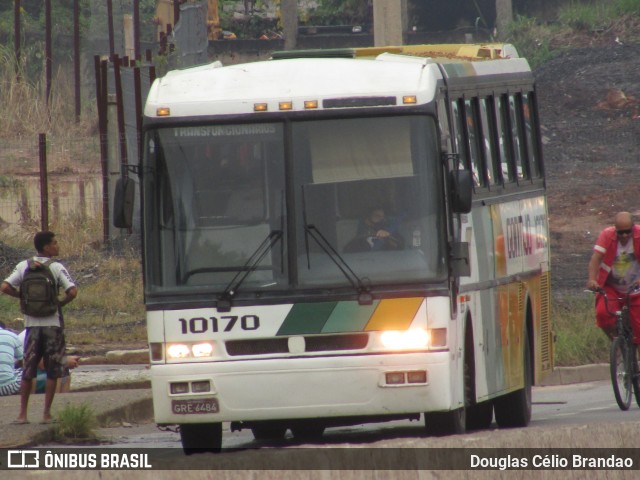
x=578 y=24
x=76 y=422
x=578 y=340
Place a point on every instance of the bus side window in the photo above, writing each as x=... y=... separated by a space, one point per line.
x=530 y=128
x=517 y=136
x=458 y=133
x=489 y=140
x=504 y=140
x=473 y=137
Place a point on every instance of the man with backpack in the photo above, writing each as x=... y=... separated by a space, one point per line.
x=36 y=283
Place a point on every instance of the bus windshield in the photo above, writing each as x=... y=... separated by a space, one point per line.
x=357 y=196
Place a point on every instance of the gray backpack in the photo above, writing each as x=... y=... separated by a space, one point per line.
x=38 y=290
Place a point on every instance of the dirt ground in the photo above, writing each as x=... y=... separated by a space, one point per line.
x=589 y=104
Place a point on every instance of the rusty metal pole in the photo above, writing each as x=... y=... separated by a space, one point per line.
x=152 y=68
x=101 y=103
x=48 y=54
x=120 y=114
x=112 y=48
x=44 y=186
x=176 y=12
x=137 y=85
x=16 y=35
x=76 y=56
x=136 y=30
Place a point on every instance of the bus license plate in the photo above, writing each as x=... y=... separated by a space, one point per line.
x=195 y=405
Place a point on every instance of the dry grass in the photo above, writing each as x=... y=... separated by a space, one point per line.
x=31 y=113
x=109 y=307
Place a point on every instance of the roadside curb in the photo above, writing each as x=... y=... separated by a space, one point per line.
x=118 y=357
x=110 y=407
x=579 y=374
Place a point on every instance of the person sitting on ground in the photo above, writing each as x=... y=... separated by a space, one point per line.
x=11 y=355
x=375 y=233
x=615 y=267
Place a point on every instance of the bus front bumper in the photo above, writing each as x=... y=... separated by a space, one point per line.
x=272 y=389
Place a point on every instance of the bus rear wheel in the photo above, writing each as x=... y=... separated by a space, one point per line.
x=201 y=437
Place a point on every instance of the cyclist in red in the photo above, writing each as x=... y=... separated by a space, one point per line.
x=615 y=267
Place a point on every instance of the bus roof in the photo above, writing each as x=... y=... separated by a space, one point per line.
x=438 y=52
x=344 y=78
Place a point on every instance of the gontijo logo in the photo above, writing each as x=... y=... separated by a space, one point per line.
x=23 y=459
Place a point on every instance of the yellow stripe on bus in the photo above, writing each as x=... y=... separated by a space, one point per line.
x=394 y=314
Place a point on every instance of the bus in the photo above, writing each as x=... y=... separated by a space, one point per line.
x=336 y=237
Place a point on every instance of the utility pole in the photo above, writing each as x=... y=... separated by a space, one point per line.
x=289 y=15
x=504 y=15
x=389 y=22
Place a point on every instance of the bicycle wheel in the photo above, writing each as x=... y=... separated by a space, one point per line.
x=620 y=373
x=636 y=374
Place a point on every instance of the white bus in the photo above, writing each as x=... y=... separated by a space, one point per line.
x=275 y=298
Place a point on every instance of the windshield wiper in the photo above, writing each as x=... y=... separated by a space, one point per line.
x=225 y=298
x=364 y=291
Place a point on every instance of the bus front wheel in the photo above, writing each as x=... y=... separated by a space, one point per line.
x=445 y=423
x=269 y=431
x=514 y=409
x=201 y=437
x=307 y=430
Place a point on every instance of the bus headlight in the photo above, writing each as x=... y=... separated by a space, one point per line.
x=178 y=350
x=202 y=349
x=405 y=340
x=189 y=350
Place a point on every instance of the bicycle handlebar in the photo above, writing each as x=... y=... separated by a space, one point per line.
x=630 y=291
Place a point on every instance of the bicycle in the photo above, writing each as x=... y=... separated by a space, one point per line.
x=625 y=375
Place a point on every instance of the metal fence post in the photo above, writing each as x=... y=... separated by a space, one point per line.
x=44 y=185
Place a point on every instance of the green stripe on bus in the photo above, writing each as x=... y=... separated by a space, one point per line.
x=349 y=317
x=306 y=318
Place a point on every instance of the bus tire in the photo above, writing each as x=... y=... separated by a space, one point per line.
x=272 y=431
x=439 y=424
x=480 y=416
x=514 y=409
x=201 y=437
x=307 y=430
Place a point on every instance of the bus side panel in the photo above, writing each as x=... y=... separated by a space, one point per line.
x=487 y=341
x=540 y=297
x=521 y=247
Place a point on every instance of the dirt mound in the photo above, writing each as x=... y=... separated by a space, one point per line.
x=590 y=118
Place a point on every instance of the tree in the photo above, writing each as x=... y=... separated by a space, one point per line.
x=342 y=12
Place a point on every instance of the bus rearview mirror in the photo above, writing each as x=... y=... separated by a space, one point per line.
x=461 y=186
x=123 y=203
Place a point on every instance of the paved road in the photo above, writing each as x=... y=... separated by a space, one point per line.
x=553 y=406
